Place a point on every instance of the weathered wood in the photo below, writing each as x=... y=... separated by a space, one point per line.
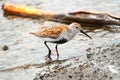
x=83 y=17
x=87 y=20
x=14 y=9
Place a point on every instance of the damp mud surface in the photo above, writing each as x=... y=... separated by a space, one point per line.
x=22 y=56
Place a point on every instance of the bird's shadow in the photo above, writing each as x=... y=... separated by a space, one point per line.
x=33 y=65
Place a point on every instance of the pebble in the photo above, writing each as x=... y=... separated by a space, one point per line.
x=5 y=47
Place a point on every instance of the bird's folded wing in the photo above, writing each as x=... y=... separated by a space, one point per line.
x=53 y=32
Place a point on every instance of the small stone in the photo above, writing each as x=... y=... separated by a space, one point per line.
x=105 y=56
x=110 y=77
x=81 y=75
x=5 y=47
x=88 y=50
x=70 y=76
x=89 y=56
x=36 y=79
x=41 y=77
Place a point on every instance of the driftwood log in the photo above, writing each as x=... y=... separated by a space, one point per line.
x=83 y=17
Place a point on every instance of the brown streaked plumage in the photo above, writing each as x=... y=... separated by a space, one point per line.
x=52 y=32
x=58 y=34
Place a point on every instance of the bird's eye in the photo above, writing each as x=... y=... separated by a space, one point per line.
x=76 y=27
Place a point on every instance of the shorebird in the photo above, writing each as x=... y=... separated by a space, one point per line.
x=58 y=34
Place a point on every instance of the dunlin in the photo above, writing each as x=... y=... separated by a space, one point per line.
x=59 y=34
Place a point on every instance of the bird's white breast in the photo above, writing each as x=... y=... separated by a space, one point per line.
x=67 y=35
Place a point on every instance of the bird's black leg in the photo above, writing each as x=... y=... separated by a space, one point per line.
x=57 y=52
x=49 y=53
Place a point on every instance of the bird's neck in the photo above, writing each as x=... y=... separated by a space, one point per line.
x=71 y=34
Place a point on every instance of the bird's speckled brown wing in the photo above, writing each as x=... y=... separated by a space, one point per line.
x=53 y=32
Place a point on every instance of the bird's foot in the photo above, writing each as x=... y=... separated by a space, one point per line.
x=57 y=59
x=48 y=59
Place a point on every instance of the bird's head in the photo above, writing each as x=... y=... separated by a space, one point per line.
x=77 y=27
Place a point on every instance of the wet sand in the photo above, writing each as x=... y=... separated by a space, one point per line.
x=80 y=59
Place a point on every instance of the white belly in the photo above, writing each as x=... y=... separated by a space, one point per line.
x=67 y=36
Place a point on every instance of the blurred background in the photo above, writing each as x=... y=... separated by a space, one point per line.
x=23 y=55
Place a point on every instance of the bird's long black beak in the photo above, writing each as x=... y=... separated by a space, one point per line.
x=85 y=34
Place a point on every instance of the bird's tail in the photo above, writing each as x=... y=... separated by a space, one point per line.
x=33 y=33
